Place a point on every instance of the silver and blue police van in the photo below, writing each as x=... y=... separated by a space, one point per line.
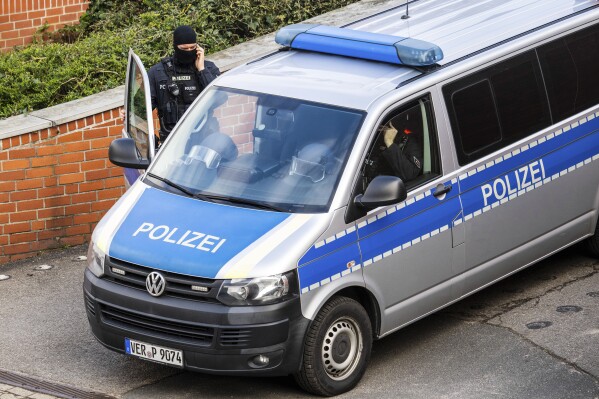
x=271 y=234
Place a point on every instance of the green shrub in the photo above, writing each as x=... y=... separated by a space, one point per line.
x=39 y=76
x=50 y=72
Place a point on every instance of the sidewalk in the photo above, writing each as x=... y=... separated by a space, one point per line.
x=44 y=337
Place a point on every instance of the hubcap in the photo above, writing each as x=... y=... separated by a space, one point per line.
x=341 y=348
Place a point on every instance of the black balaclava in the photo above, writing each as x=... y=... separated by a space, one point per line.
x=184 y=34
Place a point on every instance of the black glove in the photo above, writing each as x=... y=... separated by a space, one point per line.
x=402 y=143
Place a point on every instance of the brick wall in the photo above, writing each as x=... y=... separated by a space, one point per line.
x=56 y=184
x=236 y=118
x=19 y=19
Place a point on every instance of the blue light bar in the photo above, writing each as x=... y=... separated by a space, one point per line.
x=358 y=44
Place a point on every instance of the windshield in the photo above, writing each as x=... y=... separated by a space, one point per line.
x=259 y=149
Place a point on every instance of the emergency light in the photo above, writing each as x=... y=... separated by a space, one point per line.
x=359 y=44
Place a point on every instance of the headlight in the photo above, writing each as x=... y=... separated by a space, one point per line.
x=259 y=290
x=95 y=259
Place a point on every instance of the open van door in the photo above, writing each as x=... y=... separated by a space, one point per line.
x=139 y=123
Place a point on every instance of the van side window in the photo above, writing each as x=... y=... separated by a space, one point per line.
x=570 y=70
x=478 y=124
x=405 y=146
x=520 y=97
x=497 y=106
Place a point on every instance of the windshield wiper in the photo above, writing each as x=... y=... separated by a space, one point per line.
x=216 y=198
x=170 y=183
x=240 y=201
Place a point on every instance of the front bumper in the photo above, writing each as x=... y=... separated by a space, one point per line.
x=214 y=338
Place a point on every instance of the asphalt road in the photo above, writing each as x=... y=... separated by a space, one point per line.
x=533 y=335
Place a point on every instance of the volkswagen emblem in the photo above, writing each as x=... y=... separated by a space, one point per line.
x=155 y=284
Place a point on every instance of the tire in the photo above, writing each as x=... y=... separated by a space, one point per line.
x=592 y=243
x=337 y=348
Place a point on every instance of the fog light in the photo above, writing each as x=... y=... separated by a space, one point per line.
x=259 y=361
x=118 y=271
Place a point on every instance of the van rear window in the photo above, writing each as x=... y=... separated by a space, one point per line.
x=570 y=70
x=502 y=104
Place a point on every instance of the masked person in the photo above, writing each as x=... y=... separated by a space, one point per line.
x=176 y=81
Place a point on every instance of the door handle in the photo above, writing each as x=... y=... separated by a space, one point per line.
x=441 y=189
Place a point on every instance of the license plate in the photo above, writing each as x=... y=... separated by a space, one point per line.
x=154 y=353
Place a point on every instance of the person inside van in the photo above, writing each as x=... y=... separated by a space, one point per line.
x=401 y=151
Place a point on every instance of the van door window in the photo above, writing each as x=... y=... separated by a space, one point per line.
x=138 y=121
x=520 y=97
x=405 y=146
x=570 y=70
x=478 y=123
x=513 y=90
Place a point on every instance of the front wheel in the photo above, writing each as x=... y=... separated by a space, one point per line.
x=336 y=349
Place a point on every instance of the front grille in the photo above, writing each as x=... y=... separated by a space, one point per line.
x=177 y=285
x=235 y=337
x=191 y=333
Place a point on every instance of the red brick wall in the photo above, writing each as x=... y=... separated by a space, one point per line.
x=236 y=118
x=56 y=184
x=19 y=19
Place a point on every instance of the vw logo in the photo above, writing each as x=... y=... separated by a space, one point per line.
x=155 y=284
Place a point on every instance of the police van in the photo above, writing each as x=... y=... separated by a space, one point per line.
x=363 y=177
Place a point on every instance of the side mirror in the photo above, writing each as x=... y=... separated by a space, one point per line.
x=123 y=152
x=382 y=190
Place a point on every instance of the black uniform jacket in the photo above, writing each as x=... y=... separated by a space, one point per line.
x=406 y=163
x=174 y=87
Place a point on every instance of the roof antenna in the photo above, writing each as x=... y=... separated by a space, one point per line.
x=407 y=15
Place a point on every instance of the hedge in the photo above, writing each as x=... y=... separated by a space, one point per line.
x=52 y=70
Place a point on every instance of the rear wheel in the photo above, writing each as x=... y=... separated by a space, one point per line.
x=337 y=348
x=592 y=243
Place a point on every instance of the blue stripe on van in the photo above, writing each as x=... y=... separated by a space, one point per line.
x=562 y=151
x=404 y=210
x=549 y=145
x=335 y=260
x=412 y=230
x=552 y=157
x=330 y=245
x=328 y=268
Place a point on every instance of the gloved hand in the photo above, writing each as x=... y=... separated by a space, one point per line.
x=404 y=140
x=389 y=135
